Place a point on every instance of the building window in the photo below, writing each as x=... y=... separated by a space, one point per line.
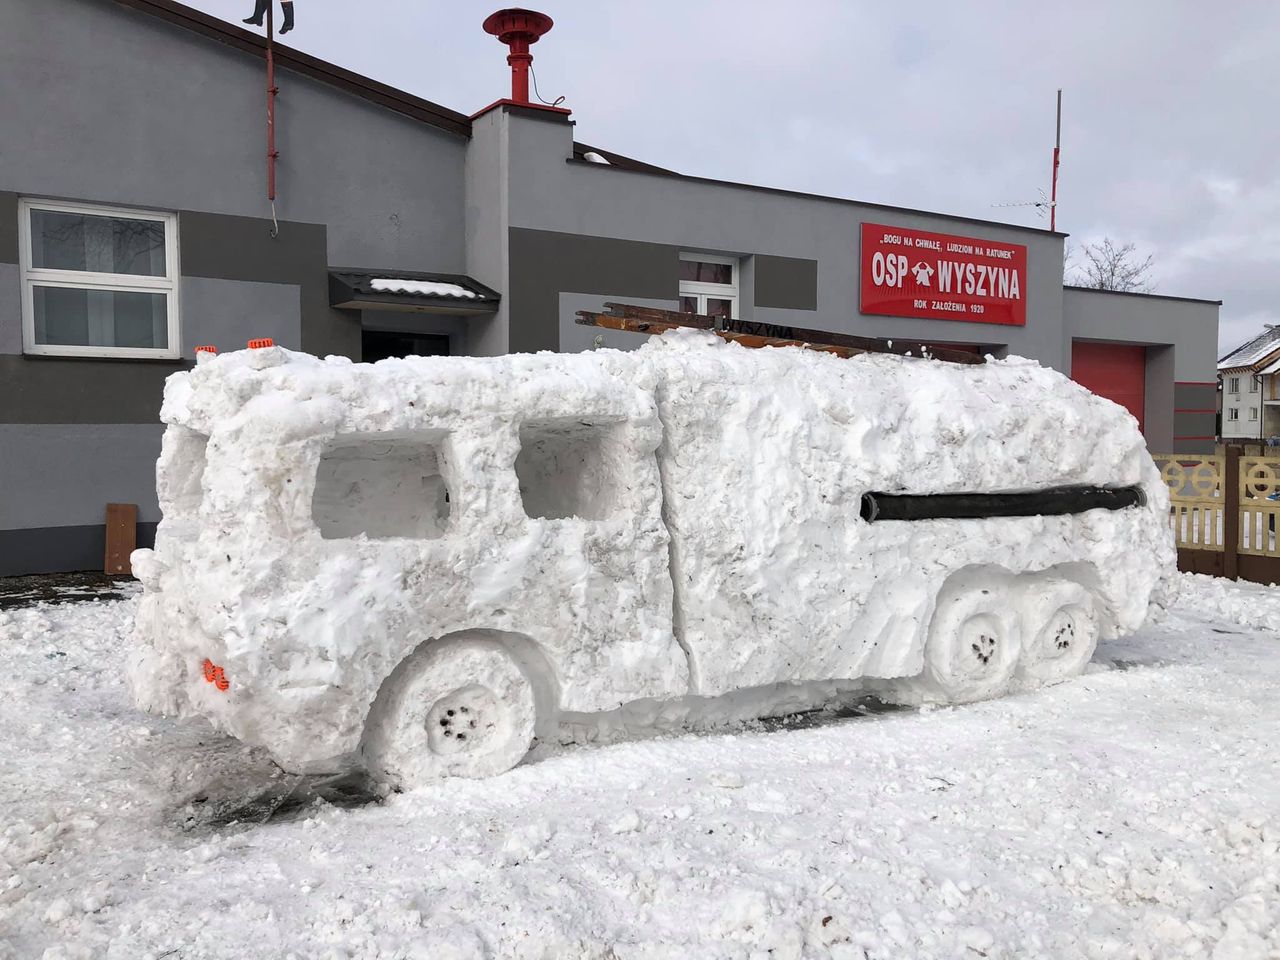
x=1253 y=384
x=1253 y=413
x=1233 y=413
x=1233 y=385
x=708 y=285
x=98 y=281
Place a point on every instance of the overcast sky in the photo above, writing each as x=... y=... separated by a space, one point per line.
x=1171 y=137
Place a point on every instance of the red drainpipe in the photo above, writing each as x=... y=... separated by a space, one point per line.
x=518 y=29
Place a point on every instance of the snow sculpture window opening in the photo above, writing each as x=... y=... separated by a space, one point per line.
x=185 y=463
x=570 y=467
x=382 y=486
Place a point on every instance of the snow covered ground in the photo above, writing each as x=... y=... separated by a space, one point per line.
x=1132 y=812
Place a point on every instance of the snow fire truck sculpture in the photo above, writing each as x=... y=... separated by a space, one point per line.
x=425 y=565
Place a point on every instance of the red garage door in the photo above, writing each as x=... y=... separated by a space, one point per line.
x=1114 y=371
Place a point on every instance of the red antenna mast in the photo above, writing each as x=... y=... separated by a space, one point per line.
x=1057 y=151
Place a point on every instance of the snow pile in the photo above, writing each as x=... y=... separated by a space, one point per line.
x=681 y=520
x=427 y=288
x=1214 y=598
x=1131 y=813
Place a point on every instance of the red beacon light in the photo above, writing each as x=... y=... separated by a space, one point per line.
x=518 y=29
x=261 y=343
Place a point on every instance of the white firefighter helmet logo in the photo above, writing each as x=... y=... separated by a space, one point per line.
x=923 y=273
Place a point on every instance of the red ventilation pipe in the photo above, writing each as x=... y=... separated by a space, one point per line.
x=518 y=29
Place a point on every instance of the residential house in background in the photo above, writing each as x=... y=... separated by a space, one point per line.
x=1250 y=379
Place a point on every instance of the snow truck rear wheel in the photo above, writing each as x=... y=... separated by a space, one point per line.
x=974 y=643
x=1061 y=628
x=460 y=708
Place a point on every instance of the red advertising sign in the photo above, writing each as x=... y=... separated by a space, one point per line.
x=913 y=273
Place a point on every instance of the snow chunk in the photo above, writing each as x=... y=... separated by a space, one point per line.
x=426 y=288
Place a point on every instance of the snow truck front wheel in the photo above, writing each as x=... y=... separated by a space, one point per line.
x=460 y=708
x=1061 y=626
x=974 y=642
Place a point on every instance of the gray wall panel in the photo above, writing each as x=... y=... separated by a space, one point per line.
x=8 y=224
x=544 y=264
x=59 y=549
x=61 y=475
x=1195 y=396
x=228 y=313
x=175 y=121
x=56 y=390
x=1195 y=424
x=10 y=309
x=785 y=282
x=1158 y=424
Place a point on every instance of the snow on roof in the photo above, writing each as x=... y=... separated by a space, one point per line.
x=1273 y=367
x=1255 y=350
x=426 y=288
x=593 y=157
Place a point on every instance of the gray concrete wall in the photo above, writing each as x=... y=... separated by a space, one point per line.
x=176 y=121
x=594 y=200
x=58 y=475
x=486 y=191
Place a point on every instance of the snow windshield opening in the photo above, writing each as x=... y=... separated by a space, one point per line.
x=569 y=467
x=185 y=458
x=382 y=486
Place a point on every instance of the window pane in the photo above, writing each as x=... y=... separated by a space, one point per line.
x=688 y=304
x=69 y=316
x=719 y=308
x=74 y=241
x=701 y=272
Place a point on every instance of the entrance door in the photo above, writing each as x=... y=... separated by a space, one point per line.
x=378 y=345
x=1116 y=371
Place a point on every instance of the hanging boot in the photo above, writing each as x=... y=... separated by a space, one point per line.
x=288 y=15
x=259 y=11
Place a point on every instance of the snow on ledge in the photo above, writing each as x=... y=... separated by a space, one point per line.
x=426 y=288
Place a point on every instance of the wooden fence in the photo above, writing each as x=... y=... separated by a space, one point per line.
x=1222 y=517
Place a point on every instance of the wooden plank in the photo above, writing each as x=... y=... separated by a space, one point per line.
x=1259 y=569
x=636 y=319
x=1200 y=561
x=122 y=538
x=1231 y=518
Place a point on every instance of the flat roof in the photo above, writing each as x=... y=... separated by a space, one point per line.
x=452 y=121
x=1135 y=293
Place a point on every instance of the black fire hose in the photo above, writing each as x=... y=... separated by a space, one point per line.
x=979 y=506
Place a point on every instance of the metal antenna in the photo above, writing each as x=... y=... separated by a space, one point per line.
x=1057 y=152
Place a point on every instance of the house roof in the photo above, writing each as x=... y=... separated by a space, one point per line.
x=1273 y=367
x=1253 y=352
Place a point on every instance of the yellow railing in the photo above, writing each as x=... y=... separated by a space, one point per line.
x=1204 y=496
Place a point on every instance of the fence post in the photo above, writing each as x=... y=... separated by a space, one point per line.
x=1231 y=513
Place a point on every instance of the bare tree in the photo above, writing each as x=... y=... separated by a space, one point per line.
x=1110 y=266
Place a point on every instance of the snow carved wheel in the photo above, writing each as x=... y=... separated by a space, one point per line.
x=459 y=708
x=1061 y=626
x=974 y=641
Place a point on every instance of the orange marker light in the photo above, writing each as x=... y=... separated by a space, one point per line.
x=260 y=343
x=206 y=348
x=220 y=679
x=208 y=668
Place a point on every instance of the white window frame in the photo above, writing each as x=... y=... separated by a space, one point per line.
x=1233 y=385
x=89 y=280
x=1253 y=383
x=714 y=291
x=1253 y=413
x=1233 y=413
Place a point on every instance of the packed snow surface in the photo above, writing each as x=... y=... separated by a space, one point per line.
x=1130 y=813
x=429 y=288
x=682 y=520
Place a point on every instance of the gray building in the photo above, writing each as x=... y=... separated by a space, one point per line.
x=135 y=226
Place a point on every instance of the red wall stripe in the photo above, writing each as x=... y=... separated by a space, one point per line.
x=1196 y=383
x=1189 y=410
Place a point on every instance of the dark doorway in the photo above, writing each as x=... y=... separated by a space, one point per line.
x=378 y=345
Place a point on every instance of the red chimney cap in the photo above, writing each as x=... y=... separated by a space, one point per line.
x=515 y=23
